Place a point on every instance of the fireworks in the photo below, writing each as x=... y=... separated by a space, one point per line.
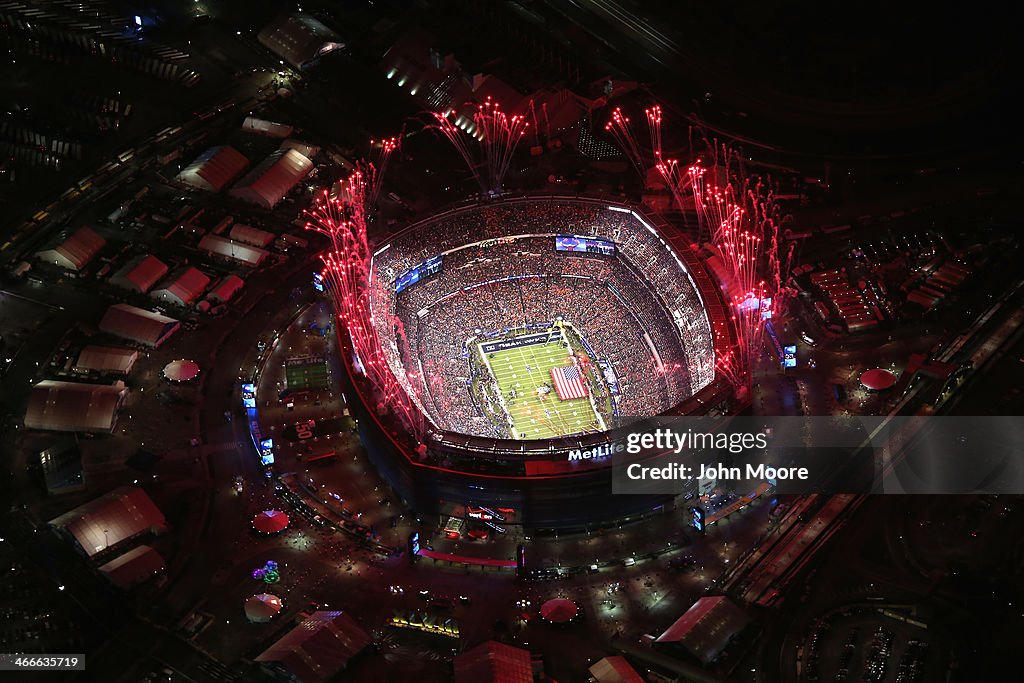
x=621 y=129
x=486 y=143
x=374 y=170
x=677 y=176
x=739 y=218
x=341 y=216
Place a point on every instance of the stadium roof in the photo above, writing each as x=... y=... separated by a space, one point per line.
x=214 y=168
x=134 y=566
x=614 y=670
x=250 y=235
x=411 y=60
x=299 y=39
x=490 y=86
x=184 y=288
x=137 y=324
x=74 y=407
x=225 y=289
x=273 y=178
x=707 y=627
x=113 y=518
x=140 y=275
x=268 y=128
x=106 y=359
x=494 y=662
x=222 y=246
x=75 y=252
x=319 y=647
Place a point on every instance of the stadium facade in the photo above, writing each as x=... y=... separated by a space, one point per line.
x=464 y=462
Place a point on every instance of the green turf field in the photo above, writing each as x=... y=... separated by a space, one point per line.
x=509 y=368
x=306 y=374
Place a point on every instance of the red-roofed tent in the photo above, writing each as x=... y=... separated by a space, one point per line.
x=184 y=288
x=878 y=379
x=559 y=610
x=318 y=648
x=268 y=183
x=75 y=252
x=118 y=516
x=134 y=567
x=214 y=169
x=270 y=522
x=140 y=276
x=707 y=627
x=74 y=407
x=494 y=662
x=138 y=325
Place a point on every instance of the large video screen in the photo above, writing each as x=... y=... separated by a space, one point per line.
x=421 y=271
x=586 y=245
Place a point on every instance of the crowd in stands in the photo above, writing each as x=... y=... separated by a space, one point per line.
x=660 y=350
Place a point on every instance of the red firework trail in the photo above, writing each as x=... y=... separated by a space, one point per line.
x=621 y=129
x=486 y=143
x=342 y=218
x=742 y=220
x=654 y=129
x=675 y=174
x=374 y=170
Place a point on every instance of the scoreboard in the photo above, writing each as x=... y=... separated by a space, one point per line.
x=586 y=245
x=421 y=271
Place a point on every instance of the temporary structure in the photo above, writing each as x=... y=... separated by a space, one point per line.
x=261 y=608
x=270 y=522
x=182 y=370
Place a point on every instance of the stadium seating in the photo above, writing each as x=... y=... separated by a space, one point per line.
x=515 y=278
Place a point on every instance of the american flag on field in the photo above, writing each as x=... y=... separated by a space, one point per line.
x=568 y=382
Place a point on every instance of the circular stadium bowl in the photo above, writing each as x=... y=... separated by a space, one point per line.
x=487 y=312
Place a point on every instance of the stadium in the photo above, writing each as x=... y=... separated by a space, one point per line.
x=525 y=332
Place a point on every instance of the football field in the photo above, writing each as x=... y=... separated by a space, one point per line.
x=306 y=374
x=525 y=370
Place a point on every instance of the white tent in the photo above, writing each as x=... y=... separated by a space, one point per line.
x=261 y=608
x=269 y=128
x=106 y=359
x=113 y=518
x=74 y=407
x=214 y=169
x=182 y=370
x=221 y=246
x=76 y=251
x=140 y=276
x=184 y=288
x=306 y=149
x=225 y=289
x=134 y=567
x=250 y=235
x=299 y=39
x=268 y=183
x=138 y=325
